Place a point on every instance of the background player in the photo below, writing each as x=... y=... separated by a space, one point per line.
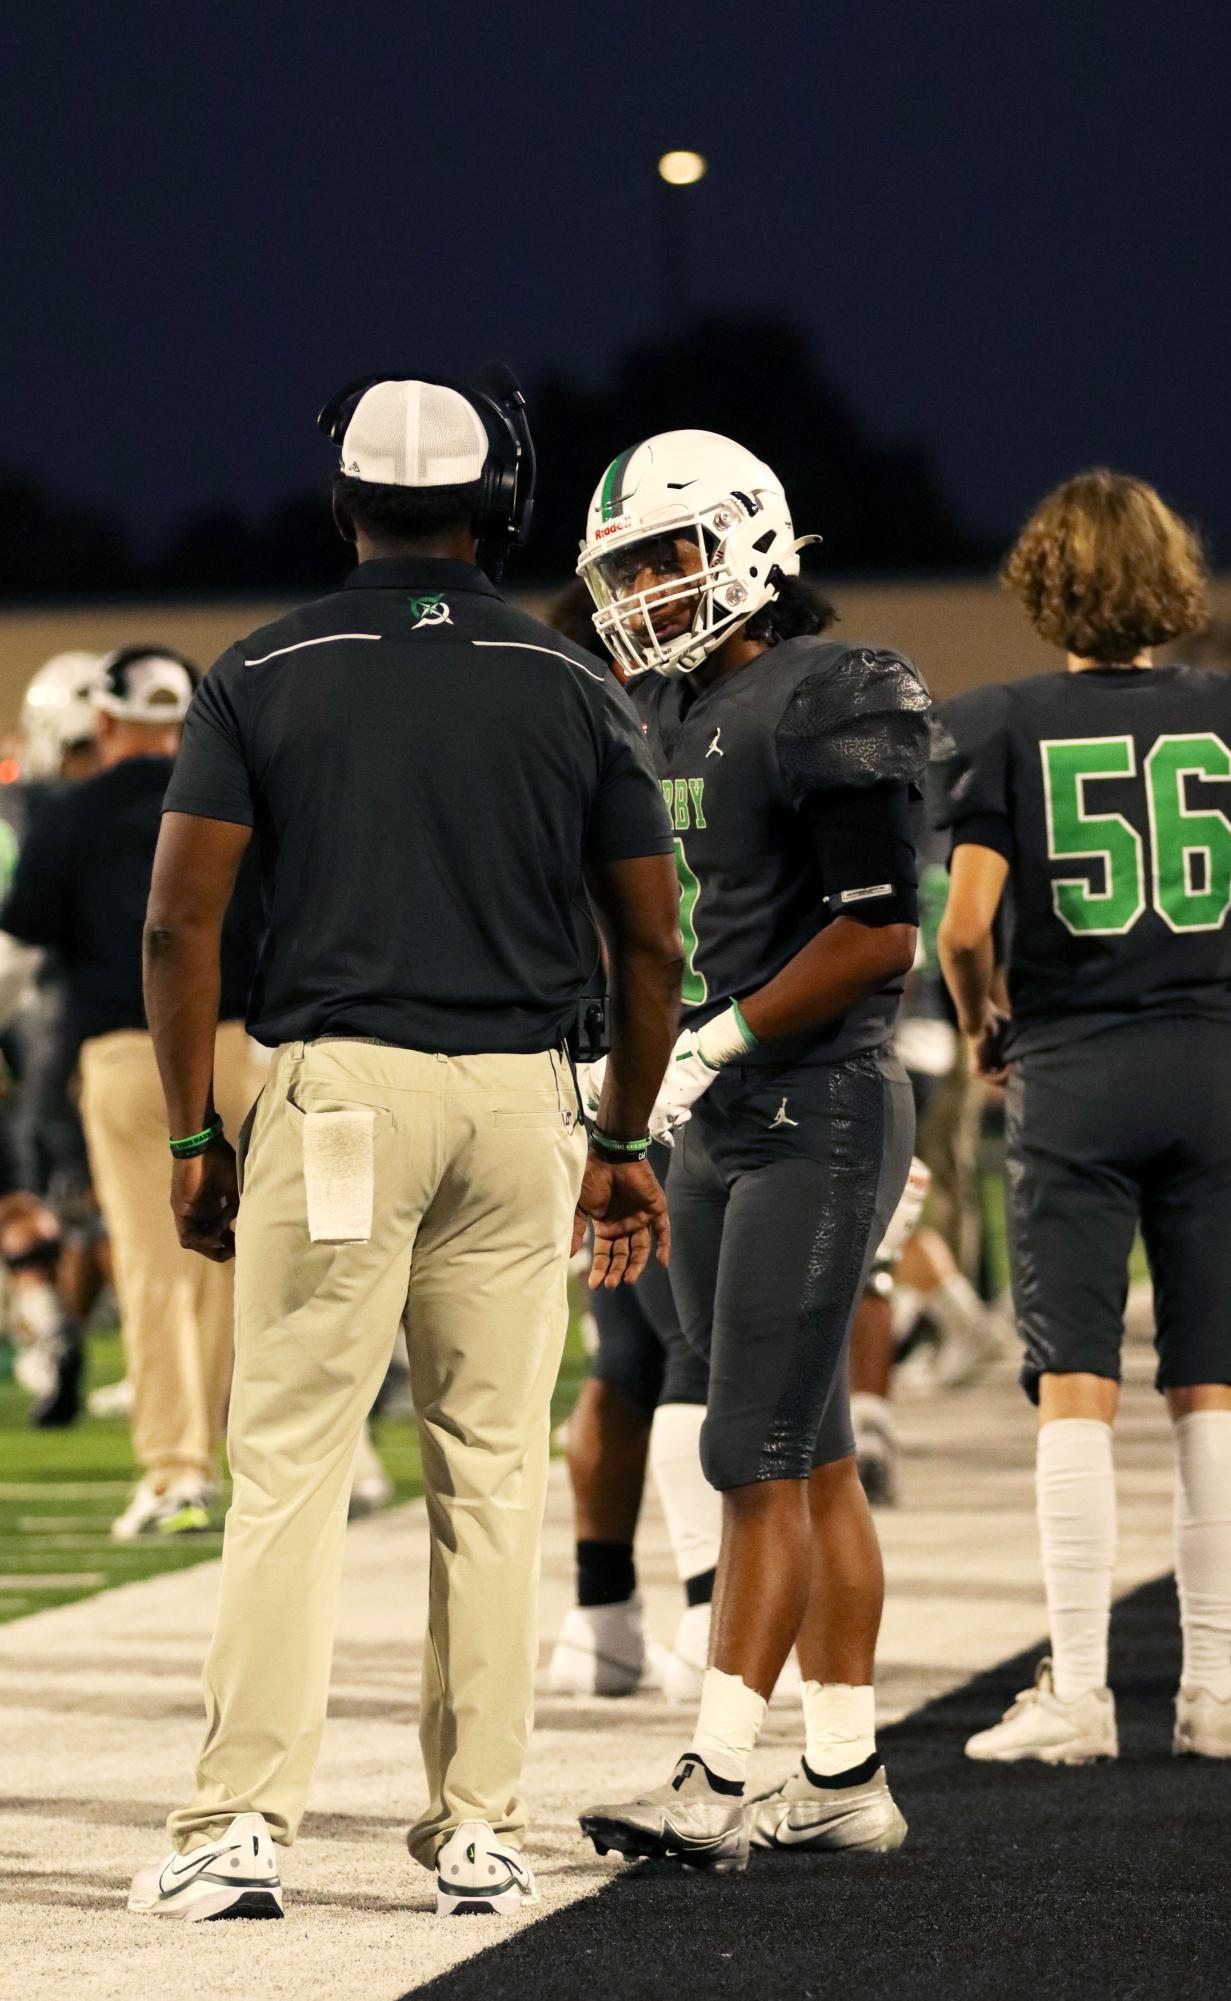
x=789 y=764
x=1093 y=803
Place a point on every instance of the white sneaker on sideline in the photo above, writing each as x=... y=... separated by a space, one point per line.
x=236 y=1877
x=180 y=1509
x=111 y=1399
x=1038 y=1725
x=479 y=1875
x=600 y=1651
x=1202 y=1724
x=678 y=1670
x=812 y=1814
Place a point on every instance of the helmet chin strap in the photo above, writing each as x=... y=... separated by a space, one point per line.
x=802 y=541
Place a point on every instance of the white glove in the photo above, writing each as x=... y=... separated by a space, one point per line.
x=590 y=1084
x=697 y=1058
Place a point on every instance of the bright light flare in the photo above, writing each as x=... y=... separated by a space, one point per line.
x=681 y=170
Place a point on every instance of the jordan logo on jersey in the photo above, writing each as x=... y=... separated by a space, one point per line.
x=780 y=1118
x=715 y=749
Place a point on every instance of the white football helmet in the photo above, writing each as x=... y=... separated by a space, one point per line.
x=57 y=711
x=692 y=486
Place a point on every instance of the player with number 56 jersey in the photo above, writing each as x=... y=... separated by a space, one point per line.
x=1092 y=807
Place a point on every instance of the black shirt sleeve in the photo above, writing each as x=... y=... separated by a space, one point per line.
x=38 y=907
x=968 y=777
x=211 y=776
x=628 y=816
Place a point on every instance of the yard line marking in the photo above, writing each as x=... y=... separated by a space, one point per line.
x=55 y=1580
x=61 y=1490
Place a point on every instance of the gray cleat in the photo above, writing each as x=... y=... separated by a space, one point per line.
x=696 y=1818
x=808 y=1814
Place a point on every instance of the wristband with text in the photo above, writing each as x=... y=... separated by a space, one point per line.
x=616 y=1151
x=195 y=1143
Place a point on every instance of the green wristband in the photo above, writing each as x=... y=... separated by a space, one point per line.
x=614 y=1150
x=744 y=1029
x=195 y=1143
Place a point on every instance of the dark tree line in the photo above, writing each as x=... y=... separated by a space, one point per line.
x=880 y=506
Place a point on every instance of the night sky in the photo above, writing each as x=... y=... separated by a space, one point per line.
x=1003 y=227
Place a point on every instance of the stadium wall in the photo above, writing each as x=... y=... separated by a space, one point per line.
x=961 y=632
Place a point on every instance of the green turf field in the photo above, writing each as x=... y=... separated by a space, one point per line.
x=59 y=1491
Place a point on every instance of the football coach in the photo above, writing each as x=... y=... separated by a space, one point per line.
x=440 y=788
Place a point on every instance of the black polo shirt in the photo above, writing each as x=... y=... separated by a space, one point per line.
x=81 y=886
x=428 y=770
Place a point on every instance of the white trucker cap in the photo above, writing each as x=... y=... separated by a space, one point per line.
x=414 y=434
x=140 y=686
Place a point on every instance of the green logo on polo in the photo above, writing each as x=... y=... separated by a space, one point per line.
x=684 y=798
x=430 y=611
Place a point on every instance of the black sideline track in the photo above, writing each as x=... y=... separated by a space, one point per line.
x=1106 y=1883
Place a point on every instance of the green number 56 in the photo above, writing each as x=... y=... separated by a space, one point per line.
x=1189 y=849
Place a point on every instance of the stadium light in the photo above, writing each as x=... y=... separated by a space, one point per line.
x=682 y=170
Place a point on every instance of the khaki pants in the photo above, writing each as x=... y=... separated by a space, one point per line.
x=478 y=1163
x=175 y=1307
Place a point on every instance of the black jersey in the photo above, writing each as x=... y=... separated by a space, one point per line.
x=1108 y=792
x=786 y=783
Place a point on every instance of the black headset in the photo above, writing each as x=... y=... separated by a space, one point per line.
x=505 y=503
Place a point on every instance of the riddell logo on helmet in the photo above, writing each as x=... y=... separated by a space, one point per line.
x=611 y=528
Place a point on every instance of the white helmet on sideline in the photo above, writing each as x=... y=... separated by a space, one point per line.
x=57 y=711
x=676 y=493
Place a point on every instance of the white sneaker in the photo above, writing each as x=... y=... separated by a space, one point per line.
x=179 y=1510
x=600 y=1651
x=1038 y=1725
x=478 y=1874
x=696 y=1818
x=805 y=1812
x=111 y=1399
x=236 y=1877
x=679 y=1670
x=1202 y=1725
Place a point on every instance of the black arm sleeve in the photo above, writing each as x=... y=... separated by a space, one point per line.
x=865 y=852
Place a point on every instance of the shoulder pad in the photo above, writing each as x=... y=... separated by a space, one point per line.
x=862 y=720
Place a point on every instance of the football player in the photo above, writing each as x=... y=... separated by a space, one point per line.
x=1092 y=803
x=789 y=763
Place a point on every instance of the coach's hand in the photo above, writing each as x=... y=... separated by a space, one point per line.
x=204 y=1201
x=629 y=1212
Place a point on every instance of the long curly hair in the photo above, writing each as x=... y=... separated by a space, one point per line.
x=1105 y=569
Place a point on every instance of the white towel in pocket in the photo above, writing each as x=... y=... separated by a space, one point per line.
x=339 y=1174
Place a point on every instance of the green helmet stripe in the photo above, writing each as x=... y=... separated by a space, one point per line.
x=612 y=499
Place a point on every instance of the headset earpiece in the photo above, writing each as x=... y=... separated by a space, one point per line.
x=506 y=485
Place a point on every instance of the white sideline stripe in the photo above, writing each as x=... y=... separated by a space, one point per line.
x=55 y=1580
x=326 y=639
x=525 y=646
x=61 y=1490
x=54 y=1524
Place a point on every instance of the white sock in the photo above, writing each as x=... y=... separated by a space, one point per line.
x=839 y=1726
x=1203 y=1548
x=956 y=1307
x=1075 y=1493
x=728 y=1724
x=692 y=1507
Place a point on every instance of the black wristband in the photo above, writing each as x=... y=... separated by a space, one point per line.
x=187 y=1149
x=617 y=1151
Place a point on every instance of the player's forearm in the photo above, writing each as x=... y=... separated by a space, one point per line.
x=182 y=994
x=969 y=966
x=835 y=970
x=644 y=990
